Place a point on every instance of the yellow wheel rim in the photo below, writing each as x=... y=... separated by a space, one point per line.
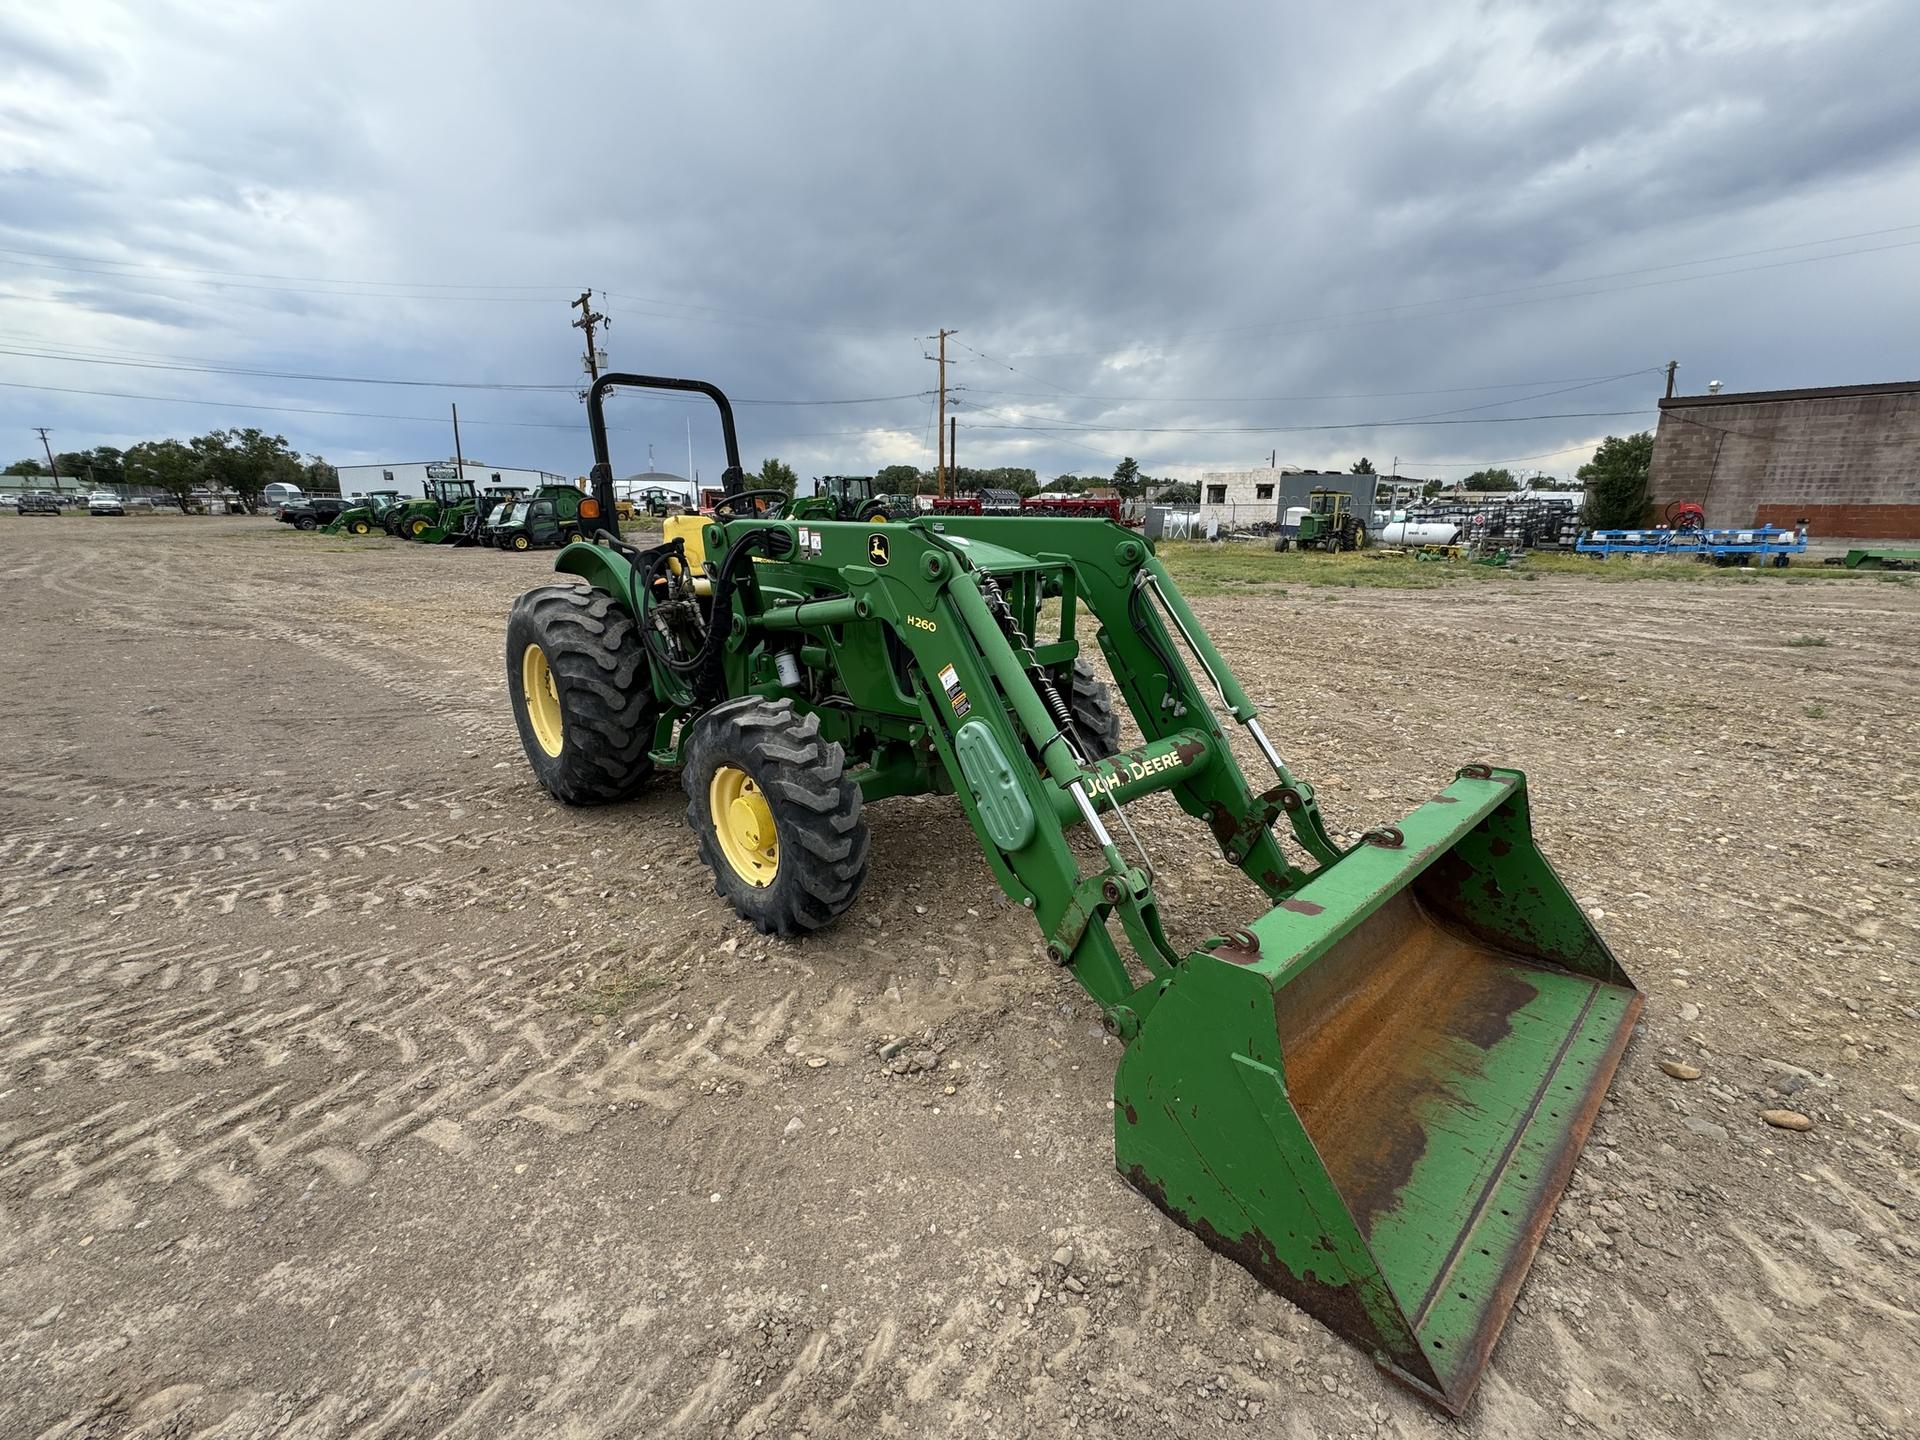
x=520 y=542
x=418 y=527
x=543 y=700
x=743 y=825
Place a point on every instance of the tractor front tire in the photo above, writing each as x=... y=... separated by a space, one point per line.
x=778 y=821
x=1096 y=725
x=361 y=527
x=582 y=697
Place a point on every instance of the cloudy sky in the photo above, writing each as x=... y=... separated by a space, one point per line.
x=1195 y=234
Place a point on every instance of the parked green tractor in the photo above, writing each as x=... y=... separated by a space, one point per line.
x=1371 y=1094
x=550 y=516
x=1330 y=523
x=362 y=519
x=451 y=521
x=841 y=497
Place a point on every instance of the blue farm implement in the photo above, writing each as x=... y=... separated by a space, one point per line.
x=1761 y=545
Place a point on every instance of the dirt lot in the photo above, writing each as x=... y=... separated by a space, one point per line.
x=350 y=1087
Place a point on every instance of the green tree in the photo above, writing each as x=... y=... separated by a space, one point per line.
x=897 y=480
x=1126 y=477
x=1616 y=481
x=775 y=475
x=1362 y=466
x=25 y=467
x=1431 y=489
x=246 y=462
x=1180 y=492
x=1491 y=480
x=320 y=477
x=167 y=465
x=109 y=465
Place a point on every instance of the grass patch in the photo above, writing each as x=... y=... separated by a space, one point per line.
x=1230 y=568
x=1807 y=642
x=1815 y=712
x=612 y=994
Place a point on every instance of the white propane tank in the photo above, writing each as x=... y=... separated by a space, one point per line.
x=1419 y=532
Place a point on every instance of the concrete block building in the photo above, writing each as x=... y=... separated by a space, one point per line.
x=1246 y=497
x=1844 y=458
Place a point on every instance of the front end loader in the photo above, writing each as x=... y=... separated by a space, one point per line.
x=1371 y=1094
x=362 y=518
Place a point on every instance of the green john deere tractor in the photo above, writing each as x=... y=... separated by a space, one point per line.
x=1370 y=1094
x=1330 y=523
x=841 y=497
x=364 y=518
x=451 y=520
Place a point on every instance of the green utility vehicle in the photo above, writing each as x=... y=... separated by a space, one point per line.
x=552 y=515
x=1330 y=523
x=1370 y=1094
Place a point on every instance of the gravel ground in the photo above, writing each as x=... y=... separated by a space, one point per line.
x=350 y=1087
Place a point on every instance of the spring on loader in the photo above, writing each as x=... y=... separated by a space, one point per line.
x=1049 y=692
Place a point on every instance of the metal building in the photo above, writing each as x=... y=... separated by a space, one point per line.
x=410 y=477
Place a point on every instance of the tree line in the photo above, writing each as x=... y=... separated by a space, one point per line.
x=1127 y=480
x=243 y=461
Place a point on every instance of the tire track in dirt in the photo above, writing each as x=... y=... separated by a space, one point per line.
x=394 y=1061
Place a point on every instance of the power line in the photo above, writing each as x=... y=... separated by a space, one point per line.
x=1286 y=399
x=1396 y=314
x=501 y=385
x=549 y=299
x=283 y=374
x=264 y=275
x=1291 y=429
x=354 y=414
x=386 y=289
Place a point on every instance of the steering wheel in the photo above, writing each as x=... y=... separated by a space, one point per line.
x=768 y=506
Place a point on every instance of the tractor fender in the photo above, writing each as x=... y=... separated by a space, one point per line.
x=601 y=568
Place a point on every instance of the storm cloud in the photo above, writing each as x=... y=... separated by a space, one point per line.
x=1196 y=235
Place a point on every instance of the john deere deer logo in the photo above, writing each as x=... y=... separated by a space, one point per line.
x=876 y=549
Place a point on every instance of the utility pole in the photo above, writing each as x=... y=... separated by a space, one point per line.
x=51 y=465
x=940 y=430
x=589 y=317
x=953 y=451
x=459 y=461
x=1672 y=365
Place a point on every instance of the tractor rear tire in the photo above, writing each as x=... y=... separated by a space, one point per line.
x=1096 y=724
x=589 y=725
x=788 y=847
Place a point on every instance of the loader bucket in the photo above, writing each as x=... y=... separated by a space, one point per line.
x=1373 y=1096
